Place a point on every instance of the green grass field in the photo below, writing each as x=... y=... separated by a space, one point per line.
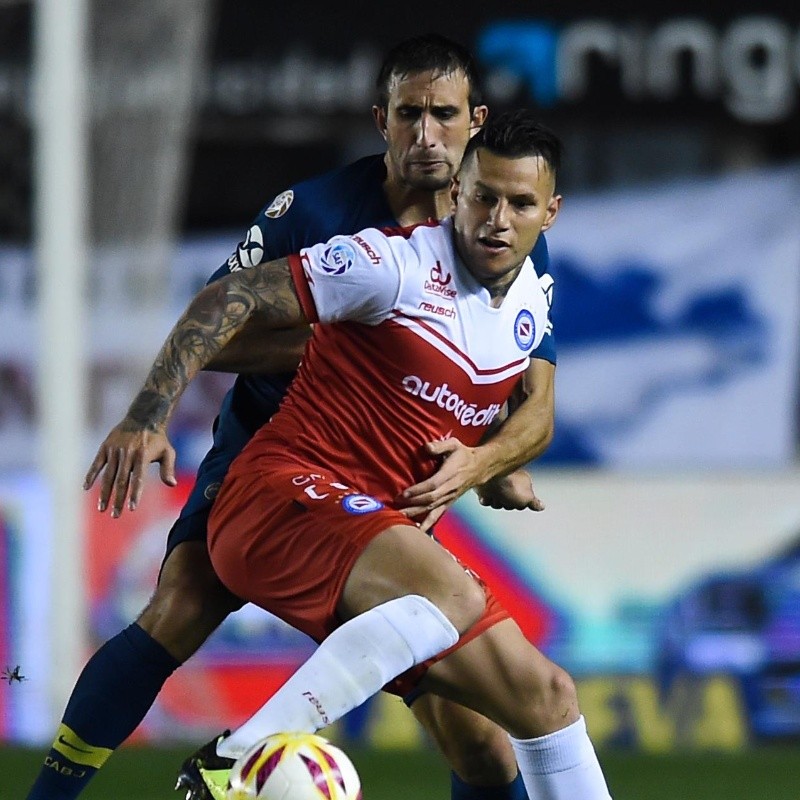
x=146 y=774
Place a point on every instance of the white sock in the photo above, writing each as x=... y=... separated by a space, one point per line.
x=351 y=665
x=561 y=765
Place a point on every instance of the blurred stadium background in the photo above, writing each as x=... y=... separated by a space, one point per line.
x=665 y=572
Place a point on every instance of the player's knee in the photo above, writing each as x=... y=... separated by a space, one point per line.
x=463 y=604
x=554 y=700
x=562 y=692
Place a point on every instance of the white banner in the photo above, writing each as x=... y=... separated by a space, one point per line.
x=676 y=317
x=677 y=324
x=122 y=340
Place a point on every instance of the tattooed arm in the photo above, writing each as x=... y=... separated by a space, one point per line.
x=215 y=315
x=257 y=349
x=212 y=319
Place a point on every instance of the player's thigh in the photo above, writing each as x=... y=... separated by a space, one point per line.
x=402 y=560
x=187 y=569
x=476 y=748
x=503 y=676
x=189 y=601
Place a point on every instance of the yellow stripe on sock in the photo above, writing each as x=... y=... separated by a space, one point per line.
x=69 y=744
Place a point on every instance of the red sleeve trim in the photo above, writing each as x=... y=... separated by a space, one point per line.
x=302 y=278
x=406 y=230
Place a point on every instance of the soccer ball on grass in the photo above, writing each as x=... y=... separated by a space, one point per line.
x=294 y=766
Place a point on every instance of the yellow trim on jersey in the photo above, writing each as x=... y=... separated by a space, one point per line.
x=70 y=745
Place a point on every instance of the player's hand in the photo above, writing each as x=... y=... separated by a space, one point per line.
x=123 y=458
x=431 y=518
x=512 y=492
x=460 y=470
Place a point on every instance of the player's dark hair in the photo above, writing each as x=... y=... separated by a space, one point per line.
x=423 y=53
x=515 y=134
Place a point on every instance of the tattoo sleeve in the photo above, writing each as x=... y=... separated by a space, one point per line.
x=213 y=317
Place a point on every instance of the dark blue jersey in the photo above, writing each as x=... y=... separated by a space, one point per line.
x=343 y=201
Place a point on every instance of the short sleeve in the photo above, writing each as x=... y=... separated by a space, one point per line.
x=355 y=278
x=278 y=230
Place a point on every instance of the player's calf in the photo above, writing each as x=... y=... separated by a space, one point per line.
x=502 y=675
x=477 y=749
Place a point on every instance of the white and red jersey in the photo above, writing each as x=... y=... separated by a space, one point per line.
x=406 y=350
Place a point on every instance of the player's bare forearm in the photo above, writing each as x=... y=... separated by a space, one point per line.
x=258 y=350
x=528 y=429
x=212 y=319
x=524 y=435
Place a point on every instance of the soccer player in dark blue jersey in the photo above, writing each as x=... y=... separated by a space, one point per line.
x=428 y=106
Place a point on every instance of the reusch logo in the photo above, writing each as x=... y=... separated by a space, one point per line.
x=440 y=311
x=367 y=248
x=320 y=709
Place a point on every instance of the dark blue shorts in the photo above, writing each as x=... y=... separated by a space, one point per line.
x=230 y=436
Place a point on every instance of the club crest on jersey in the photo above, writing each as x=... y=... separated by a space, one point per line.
x=280 y=205
x=524 y=329
x=360 y=504
x=337 y=258
x=250 y=251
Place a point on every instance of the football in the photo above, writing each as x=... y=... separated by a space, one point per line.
x=294 y=766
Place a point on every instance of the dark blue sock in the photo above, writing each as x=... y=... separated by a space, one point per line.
x=113 y=693
x=464 y=791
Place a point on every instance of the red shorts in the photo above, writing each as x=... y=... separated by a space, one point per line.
x=287 y=541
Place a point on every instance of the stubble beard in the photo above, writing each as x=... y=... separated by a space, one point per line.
x=428 y=183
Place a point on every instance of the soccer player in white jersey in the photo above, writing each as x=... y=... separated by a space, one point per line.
x=428 y=103
x=306 y=524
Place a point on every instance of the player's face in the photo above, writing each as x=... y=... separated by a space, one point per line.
x=427 y=124
x=502 y=205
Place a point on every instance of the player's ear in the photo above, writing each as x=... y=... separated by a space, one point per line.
x=379 y=115
x=553 y=207
x=455 y=188
x=479 y=114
